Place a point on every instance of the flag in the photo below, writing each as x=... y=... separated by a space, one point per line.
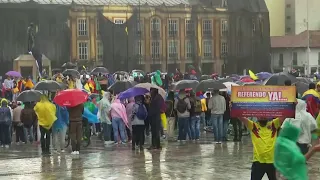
x=126 y=29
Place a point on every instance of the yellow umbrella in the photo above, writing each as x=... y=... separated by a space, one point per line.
x=252 y=75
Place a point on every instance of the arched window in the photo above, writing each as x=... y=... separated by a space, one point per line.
x=155 y=26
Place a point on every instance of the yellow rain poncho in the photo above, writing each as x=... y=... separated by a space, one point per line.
x=46 y=112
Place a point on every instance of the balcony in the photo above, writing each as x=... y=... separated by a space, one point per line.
x=190 y=33
x=173 y=33
x=155 y=33
x=207 y=33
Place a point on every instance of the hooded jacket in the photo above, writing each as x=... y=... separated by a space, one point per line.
x=46 y=112
x=288 y=159
x=304 y=121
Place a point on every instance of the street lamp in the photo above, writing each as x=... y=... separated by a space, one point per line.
x=225 y=62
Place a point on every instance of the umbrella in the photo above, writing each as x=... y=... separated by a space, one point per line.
x=251 y=84
x=70 y=97
x=48 y=85
x=99 y=70
x=229 y=85
x=301 y=87
x=94 y=95
x=184 y=84
x=148 y=86
x=29 y=96
x=13 y=74
x=139 y=72
x=205 y=77
x=247 y=80
x=132 y=92
x=223 y=80
x=121 y=86
x=264 y=75
x=280 y=78
x=71 y=72
x=304 y=80
x=69 y=65
x=209 y=84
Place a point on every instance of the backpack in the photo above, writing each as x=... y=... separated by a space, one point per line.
x=5 y=115
x=142 y=112
x=197 y=105
x=181 y=105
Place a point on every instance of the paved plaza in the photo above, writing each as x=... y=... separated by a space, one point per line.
x=190 y=160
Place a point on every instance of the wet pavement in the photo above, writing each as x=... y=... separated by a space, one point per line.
x=191 y=160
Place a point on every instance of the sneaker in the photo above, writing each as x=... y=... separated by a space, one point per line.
x=17 y=143
x=218 y=142
x=77 y=152
x=106 y=142
x=62 y=150
x=74 y=152
x=7 y=146
x=123 y=143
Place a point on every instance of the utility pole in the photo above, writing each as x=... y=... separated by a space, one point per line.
x=308 y=40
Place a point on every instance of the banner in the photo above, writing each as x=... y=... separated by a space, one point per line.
x=263 y=101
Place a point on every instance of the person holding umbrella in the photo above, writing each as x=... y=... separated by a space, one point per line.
x=155 y=119
x=46 y=113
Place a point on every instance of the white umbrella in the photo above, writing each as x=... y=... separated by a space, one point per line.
x=229 y=85
x=147 y=86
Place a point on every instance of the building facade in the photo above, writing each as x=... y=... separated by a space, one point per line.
x=277 y=17
x=168 y=37
x=291 y=52
x=302 y=15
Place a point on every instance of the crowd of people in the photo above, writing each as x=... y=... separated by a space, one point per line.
x=129 y=121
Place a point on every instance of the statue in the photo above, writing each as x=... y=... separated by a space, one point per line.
x=31 y=37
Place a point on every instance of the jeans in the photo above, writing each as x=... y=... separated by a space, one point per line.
x=171 y=123
x=217 y=122
x=118 y=126
x=203 y=119
x=259 y=169
x=28 y=132
x=195 y=127
x=59 y=138
x=225 y=129
x=106 y=131
x=5 y=134
x=237 y=128
x=45 y=139
x=19 y=133
x=183 y=124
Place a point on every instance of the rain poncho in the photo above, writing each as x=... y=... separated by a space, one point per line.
x=97 y=83
x=288 y=159
x=312 y=99
x=91 y=107
x=156 y=78
x=303 y=121
x=62 y=118
x=92 y=118
x=46 y=112
x=104 y=108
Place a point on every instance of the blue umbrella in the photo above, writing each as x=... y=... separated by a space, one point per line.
x=264 y=75
x=132 y=92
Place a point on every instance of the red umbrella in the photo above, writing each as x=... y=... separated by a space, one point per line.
x=248 y=79
x=70 y=97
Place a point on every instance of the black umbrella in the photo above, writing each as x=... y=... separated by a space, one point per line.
x=69 y=65
x=29 y=96
x=184 y=84
x=304 y=80
x=301 y=87
x=210 y=84
x=71 y=72
x=205 y=77
x=229 y=79
x=48 y=85
x=280 y=78
x=121 y=86
x=99 y=70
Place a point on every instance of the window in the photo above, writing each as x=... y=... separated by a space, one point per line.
x=288 y=6
x=288 y=17
x=97 y=26
x=206 y=27
x=119 y=21
x=155 y=26
x=83 y=51
x=82 y=27
x=99 y=50
x=173 y=47
x=224 y=48
x=189 y=50
x=207 y=48
x=224 y=3
x=138 y=48
x=173 y=27
x=295 y=59
x=281 y=60
x=224 y=27
x=155 y=49
x=139 y=27
x=253 y=27
x=189 y=28
x=288 y=29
